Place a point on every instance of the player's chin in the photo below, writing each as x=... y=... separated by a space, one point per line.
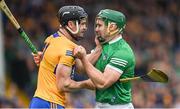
x=81 y=35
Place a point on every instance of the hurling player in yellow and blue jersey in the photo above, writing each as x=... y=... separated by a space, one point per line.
x=57 y=62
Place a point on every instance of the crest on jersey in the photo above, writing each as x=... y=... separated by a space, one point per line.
x=105 y=57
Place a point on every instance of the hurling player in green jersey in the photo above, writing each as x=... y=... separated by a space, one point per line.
x=116 y=61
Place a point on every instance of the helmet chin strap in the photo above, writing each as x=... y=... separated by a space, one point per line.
x=77 y=28
x=72 y=33
x=111 y=33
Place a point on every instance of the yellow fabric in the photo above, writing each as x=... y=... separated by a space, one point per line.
x=56 y=52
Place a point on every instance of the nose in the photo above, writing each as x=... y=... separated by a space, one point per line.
x=85 y=27
x=96 y=29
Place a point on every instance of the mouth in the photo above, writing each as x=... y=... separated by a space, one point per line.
x=82 y=32
x=97 y=34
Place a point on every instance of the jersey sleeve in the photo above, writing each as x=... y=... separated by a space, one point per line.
x=67 y=58
x=120 y=61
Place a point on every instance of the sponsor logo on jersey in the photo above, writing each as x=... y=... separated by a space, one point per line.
x=69 y=53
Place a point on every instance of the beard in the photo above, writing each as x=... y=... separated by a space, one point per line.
x=101 y=39
x=77 y=37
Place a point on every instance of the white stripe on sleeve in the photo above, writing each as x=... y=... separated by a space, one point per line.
x=117 y=59
x=118 y=70
x=118 y=63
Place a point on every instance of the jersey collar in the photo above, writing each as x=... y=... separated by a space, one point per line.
x=115 y=40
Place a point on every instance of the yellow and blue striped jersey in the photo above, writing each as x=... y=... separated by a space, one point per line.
x=58 y=50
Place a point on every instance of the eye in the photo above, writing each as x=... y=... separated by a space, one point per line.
x=97 y=25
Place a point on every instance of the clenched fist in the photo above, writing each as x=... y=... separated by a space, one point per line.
x=79 y=52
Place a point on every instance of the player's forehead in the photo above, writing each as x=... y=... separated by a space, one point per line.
x=99 y=21
x=84 y=20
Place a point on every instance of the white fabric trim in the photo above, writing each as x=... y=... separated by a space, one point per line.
x=115 y=40
x=118 y=64
x=114 y=68
x=119 y=60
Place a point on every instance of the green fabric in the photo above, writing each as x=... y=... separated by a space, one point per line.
x=118 y=55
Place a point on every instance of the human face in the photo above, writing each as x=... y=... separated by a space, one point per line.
x=82 y=27
x=101 y=30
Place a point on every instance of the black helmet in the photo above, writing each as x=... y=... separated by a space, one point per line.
x=67 y=13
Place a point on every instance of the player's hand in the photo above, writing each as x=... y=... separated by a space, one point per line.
x=98 y=44
x=79 y=52
x=37 y=57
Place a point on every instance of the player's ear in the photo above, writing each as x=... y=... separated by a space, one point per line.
x=70 y=24
x=113 y=27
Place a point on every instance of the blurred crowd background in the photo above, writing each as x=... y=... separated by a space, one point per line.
x=153 y=31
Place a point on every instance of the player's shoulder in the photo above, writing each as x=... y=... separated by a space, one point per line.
x=50 y=37
x=124 y=53
x=53 y=36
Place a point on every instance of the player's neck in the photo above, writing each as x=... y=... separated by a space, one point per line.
x=66 y=34
x=115 y=39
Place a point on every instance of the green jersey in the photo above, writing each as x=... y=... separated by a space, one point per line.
x=119 y=56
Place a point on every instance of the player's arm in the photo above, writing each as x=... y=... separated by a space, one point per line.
x=92 y=58
x=94 y=55
x=99 y=79
x=87 y=84
x=63 y=80
x=66 y=84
